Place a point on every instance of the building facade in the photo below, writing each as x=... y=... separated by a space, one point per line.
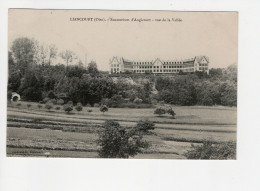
x=157 y=66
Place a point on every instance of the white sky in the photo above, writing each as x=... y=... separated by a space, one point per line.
x=214 y=34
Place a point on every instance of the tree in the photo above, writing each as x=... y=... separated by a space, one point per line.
x=43 y=54
x=67 y=56
x=51 y=95
x=118 y=142
x=210 y=150
x=159 y=111
x=31 y=87
x=9 y=96
x=14 y=81
x=145 y=126
x=171 y=112
x=52 y=52
x=68 y=108
x=103 y=109
x=92 y=68
x=23 y=50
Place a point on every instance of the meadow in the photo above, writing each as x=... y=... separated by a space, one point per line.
x=39 y=132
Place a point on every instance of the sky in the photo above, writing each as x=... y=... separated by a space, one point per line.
x=183 y=35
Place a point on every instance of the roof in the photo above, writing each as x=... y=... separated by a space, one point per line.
x=200 y=58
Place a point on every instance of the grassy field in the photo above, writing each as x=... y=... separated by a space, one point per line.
x=38 y=132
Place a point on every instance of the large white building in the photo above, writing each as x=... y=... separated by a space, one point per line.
x=157 y=66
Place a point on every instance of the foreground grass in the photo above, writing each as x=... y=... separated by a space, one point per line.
x=35 y=133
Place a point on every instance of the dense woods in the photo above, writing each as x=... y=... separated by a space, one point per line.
x=33 y=75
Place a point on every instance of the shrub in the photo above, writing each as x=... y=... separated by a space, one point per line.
x=18 y=105
x=29 y=105
x=70 y=103
x=60 y=101
x=51 y=95
x=103 y=109
x=209 y=150
x=57 y=108
x=54 y=101
x=41 y=102
x=145 y=126
x=45 y=100
x=96 y=105
x=79 y=107
x=118 y=142
x=138 y=101
x=68 y=108
x=161 y=102
x=115 y=102
x=171 y=112
x=39 y=106
x=89 y=110
x=49 y=106
x=159 y=111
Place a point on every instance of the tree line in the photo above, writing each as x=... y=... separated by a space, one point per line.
x=33 y=75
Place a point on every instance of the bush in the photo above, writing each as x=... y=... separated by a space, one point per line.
x=159 y=111
x=96 y=105
x=53 y=101
x=39 y=106
x=79 y=107
x=60 y=101
x=161 y=102
x=138 y=101
x=171 y=112
x=115 y=102
x=163 y=110
x=103 y=108
x=68 y=108
x=209 y=150
x=57 y=108
x=51 y=95
x=117 y=142
x=145 y=126
x=29 y=105
x=70 y=103
x=45 y=100
x=89 y=110
x=49 y=106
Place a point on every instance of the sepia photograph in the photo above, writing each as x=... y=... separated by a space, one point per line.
x=122 y=84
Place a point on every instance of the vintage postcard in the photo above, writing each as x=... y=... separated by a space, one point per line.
x=122 y=84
